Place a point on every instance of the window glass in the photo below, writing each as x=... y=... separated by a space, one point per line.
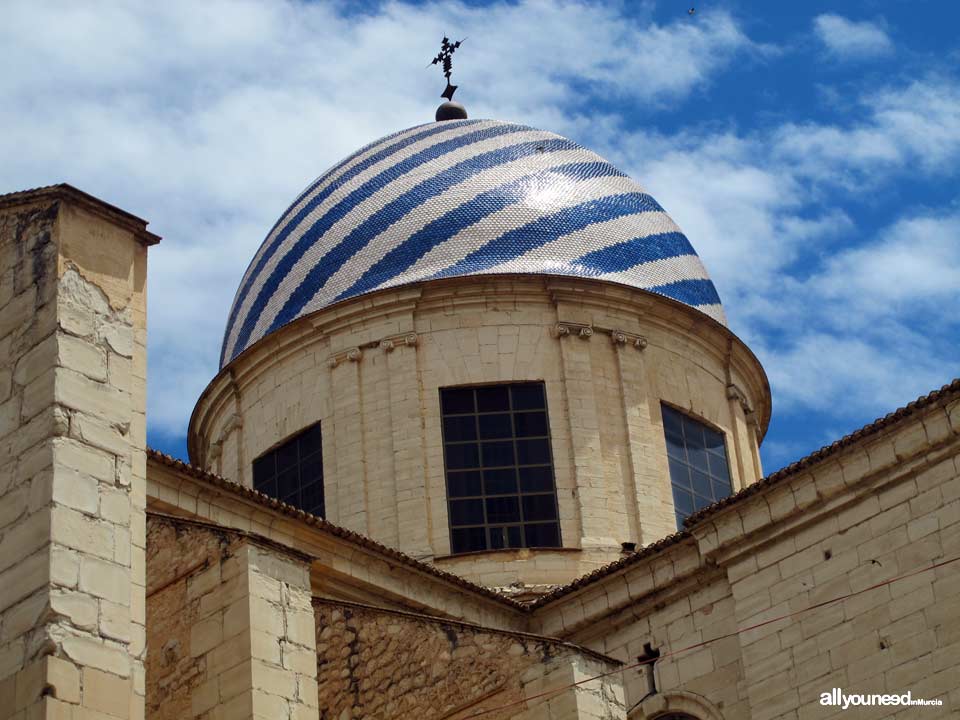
x=499 y=468
x=293 y=471
x=697 y=458
x=463 y=484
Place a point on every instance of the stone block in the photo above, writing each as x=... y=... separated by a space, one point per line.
x=35 y=362
x=275 y=681
x=76 y=490
x=115 y=620
x=105 y=580
x=21 y=306
x=39 y=394
x=64 y=679
x=78 y=392
x=106 y=693
x=266 y=616
x=232 y=652
x=81 y=609
x=205 y=635
x=64 y=567
x=268 y=648
x=84 y=459
x=115 y=505
x=80 y=532
x=83 y=356
x=119 y=336
x=9 y=416
x=205 y=696
x=236 y=680
x=95 y=653
x=295 y=657
x=13 y=504
x=267 y=705
x=236 y=618
x=109 y=438
x=76 y=320
x=30 y=681
x=22 y=539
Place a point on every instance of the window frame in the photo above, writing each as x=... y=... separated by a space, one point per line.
x=275 y=451
x=482 y=495
x=687 y=416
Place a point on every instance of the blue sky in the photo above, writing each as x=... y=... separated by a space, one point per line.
x=809 y=151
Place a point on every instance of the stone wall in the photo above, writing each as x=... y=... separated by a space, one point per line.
x=374 y=663
x=229 y=626
x=369 y=370
x=72 y=455
x=183 y=566
x=850 y=526
x=28 y=262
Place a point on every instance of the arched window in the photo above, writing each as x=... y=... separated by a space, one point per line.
x=674 y=705
x=499 y=467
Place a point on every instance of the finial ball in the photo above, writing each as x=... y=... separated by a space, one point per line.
x=451 y=111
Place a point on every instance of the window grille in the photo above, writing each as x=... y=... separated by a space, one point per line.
x=499 y=467
x=697 y=457
x=293 y=472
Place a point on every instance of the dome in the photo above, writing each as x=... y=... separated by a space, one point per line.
x=458 y=198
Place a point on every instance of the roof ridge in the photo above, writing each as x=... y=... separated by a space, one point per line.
x=324 y=524
x=827 y=451
x=951 y=388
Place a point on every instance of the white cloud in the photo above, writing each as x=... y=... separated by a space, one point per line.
x=208 y=118
x=849 y=39
x=912 y=126
x=848 y=322
x=914 y=262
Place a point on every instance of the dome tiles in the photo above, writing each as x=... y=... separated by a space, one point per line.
x=459 y=198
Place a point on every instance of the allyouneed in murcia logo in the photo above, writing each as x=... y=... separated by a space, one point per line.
x=837 y=698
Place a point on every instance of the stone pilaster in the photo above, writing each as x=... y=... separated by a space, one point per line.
x=72 y=455
x=585 y=435
x=582 y=694
x=349 y=507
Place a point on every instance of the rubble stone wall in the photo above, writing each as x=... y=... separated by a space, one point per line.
x=373 y=663
x=183 y=567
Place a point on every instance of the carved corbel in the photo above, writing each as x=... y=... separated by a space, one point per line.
x=581 y=330
x=621 y=339
x=234 y=422
x=389 y=344
x=353 y=355
x=735 y=393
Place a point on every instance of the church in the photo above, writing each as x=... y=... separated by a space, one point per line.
x=481 y=445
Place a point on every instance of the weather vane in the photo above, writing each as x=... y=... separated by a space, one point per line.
x=445 y=58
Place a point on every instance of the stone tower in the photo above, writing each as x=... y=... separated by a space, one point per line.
x=72 y=456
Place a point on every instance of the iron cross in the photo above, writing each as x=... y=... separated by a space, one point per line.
x=445 y=59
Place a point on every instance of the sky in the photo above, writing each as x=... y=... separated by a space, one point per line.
x=809 y=151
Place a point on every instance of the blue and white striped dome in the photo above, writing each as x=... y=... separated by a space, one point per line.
x=462 y=198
